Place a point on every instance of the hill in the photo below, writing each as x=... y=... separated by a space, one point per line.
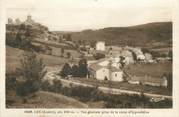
x=13 y=56
x=43 y=99
x=157 y=34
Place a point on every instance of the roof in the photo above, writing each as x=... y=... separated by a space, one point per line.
x=114 y=69
x=101 y=60
x=95 y=67
x=147 y=79
x=100 y=42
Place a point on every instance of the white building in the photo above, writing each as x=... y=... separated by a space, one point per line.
x=128 y=56
x=98 y=72
x=148 y=80
x=101 y=71
x=148 y=57
x=100 y=46
x=116 y=74
x=141 y=57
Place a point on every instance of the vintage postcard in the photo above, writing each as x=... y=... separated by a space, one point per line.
x=89 y=58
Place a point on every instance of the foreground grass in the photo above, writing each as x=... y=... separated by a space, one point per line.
x=42 y=99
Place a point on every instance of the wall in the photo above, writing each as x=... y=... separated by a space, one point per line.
x=100 y=74
x=164 y=83
x=118 y=78
x=100 y=46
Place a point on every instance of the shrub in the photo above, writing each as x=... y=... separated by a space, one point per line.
x=10 y=82
x=27 y=88
x=57 y=85
x=46 y=86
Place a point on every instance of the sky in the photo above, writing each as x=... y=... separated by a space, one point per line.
x=76 y=15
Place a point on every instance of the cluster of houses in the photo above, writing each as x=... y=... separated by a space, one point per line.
x=110 y=68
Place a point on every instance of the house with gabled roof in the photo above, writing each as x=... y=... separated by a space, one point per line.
x=102 y=71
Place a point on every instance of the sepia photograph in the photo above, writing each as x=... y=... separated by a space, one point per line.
x=89 y=54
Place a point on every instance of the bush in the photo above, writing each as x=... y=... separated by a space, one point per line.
x=10 y=82
x=57 y=85
x=85 y=93
x=46 y=86
x=27 y=88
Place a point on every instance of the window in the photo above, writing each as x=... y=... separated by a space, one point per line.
x=116 y=75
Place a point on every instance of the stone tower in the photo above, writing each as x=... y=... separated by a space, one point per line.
x=10 y=21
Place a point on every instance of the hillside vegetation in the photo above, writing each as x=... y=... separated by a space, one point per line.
x=158 y=34
x=13 y=56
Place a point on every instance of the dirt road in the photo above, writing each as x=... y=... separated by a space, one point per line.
x=70 y=82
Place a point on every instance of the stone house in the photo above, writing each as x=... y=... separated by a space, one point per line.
x=101 y=71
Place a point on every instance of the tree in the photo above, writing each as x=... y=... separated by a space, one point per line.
x=92 y=43
x=28 y=33
x=68 y=55
x=32 y=70
x=18 y=40
x=83 y=69
x=79 y=42
x=75 y=71
x=122 y=61
x=134 y=56
x=22 y=27
x=22 y=41
x=68 y=37
x=144 y=50
x=66 y=70
x=57 y=85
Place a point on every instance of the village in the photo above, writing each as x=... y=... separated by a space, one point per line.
x=113 y=69
x=111 y=65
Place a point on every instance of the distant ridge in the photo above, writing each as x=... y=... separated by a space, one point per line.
x=139 y=35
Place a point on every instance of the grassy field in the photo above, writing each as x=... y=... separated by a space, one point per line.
x=153 y=70
x=127 y=86
x=13 y=56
